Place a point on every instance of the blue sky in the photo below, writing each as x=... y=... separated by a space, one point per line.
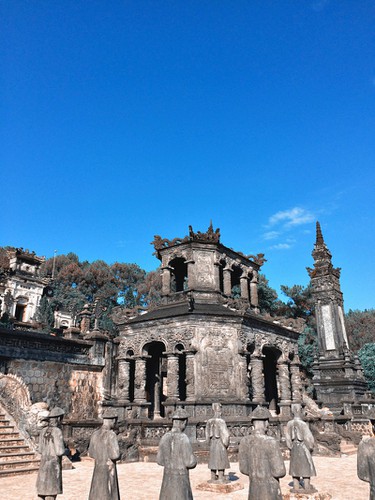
x=125 y=119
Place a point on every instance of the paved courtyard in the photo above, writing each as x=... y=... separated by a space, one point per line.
x=141 y=481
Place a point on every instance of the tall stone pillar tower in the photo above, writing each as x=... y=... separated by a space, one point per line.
x=338 y=375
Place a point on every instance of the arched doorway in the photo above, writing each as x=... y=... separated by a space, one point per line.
x=155 y=375
x=271 y=355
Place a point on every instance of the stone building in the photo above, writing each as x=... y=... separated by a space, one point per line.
x=201 y=345
x=338 y=376
x=22 y=288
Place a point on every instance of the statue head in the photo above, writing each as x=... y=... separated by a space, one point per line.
x=260 y=418
x=109 y=419
x=55 y=416
x=179 y=419
x=297 y=410
x=217 y=409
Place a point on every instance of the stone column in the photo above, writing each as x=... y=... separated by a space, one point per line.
x=254 y=291
x=217 y=276
x=295 y=379
x=243 y=390
x=172 y=377
x=166 y=280
x=227 y=281
x=190 y=274
x=257 y=378
x=140 y=379
x=244 y=287
x=285 y=395
x=123 y=379
x=190 y=375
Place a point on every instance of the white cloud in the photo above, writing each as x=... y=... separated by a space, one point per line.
x=292 y=217
x=271 y=235
x=281 y=246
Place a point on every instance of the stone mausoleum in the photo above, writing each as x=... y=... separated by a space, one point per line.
x=200 y=345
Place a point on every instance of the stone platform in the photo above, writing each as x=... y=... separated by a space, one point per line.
x=142 y=481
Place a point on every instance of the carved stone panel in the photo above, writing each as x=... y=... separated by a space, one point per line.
x=204 y=270
x=218 y=364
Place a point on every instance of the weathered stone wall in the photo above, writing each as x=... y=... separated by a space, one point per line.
x=77 y=390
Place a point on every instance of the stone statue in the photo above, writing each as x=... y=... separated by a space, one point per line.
x=260 y=458
x=217 y=435
x=366 y=458
x=51 y=448
x=300 y=441
x=175 y=454
x=105 y=450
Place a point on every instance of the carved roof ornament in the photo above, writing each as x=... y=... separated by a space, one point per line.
x=210 y=235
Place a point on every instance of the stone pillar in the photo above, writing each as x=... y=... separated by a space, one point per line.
x=243 y=390
x=123 y=379
x=172 y=377
x=227 y=281
x=254 y=291
x=190 y=375
x=140 y=379
x=217 y=276
x=244 y=287
x=283 y=379
x=257 y=378
x=190 y=274
x=295 y=379
x=166 y=280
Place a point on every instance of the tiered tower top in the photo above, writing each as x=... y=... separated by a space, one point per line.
x=201 y=265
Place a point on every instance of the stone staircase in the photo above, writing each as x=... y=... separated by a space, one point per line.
x=348 y=448
x=16 y=456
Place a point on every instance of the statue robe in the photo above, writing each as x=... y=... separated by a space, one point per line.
x=218 y=436
x=175 y=454
x=52 y=448
x=105 y=450
x=300 y=441
x=260 y=458
x=366 y=463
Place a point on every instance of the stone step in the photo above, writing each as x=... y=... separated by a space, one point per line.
x=6 y=428
x=11 y=442
x=16 y=464
x=9 y=435
x=16 y=448
x=3 y=422
x=20 y=455
x=348 y=448
x=19 y=471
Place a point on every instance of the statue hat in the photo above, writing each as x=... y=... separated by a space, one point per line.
x=110 y=414
x=260 y=413
x=56 y=412
x=180 y=414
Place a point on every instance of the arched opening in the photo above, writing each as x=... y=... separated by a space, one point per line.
x=221 y=275
x=20 y=312
x=181 y=372
x=179 y=274
x=271 y=356
x=154 y=378
x=129 y=355
x=235 y=282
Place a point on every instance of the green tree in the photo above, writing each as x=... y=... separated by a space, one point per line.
x=360 y=327
x=267 y=296
x=300 y=303
x=366 y=356
x=44 y=314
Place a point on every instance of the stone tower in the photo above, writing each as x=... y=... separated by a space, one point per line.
x=337 y=372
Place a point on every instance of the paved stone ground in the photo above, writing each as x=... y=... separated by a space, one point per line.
x=141 y=481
